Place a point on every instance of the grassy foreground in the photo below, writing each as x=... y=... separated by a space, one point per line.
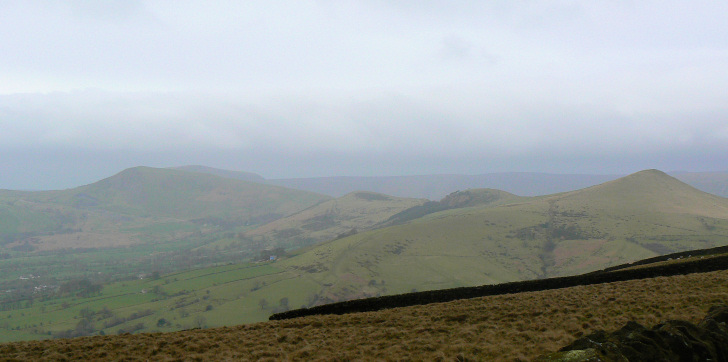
x=505 y=327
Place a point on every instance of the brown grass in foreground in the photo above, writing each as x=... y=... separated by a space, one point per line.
x=505 y=327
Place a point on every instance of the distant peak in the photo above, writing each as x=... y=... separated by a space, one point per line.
x=651 y=171
x=240 y=175
x=651 y=186
x=648 y=174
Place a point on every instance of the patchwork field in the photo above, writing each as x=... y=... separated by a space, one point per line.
x=505 y=327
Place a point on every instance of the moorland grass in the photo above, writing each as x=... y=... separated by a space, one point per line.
x=505 y=327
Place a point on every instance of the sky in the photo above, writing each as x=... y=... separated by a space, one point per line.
x=311 y=88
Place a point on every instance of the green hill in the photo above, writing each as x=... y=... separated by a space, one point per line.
x=139 y=203
x=140 y=222
x=635 y=217
x=190 y=195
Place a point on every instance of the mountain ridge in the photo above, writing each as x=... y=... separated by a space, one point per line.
x=437 y=186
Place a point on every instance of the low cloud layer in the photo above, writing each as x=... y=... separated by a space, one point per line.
x=295 y=89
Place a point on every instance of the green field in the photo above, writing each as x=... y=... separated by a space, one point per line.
x=224 y=295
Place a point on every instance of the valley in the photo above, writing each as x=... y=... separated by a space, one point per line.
x=208 y=250
x=363 y=181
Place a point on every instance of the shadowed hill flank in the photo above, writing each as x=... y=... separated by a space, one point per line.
x=455 y=200
x=477 y=197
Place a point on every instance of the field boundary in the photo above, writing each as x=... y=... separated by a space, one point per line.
x=446 y=295
x=668 y=257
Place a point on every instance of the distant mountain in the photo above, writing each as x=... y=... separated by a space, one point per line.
x=714 y=182
x=238 y=175
x=435 y=187
x=137 y=204
x=189 y=195
x=639 y=216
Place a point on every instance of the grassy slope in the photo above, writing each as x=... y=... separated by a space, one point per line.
x=140 y=202
x=233 y=293
x=503 y=328
x=632 y=218
x=190 y=195
x=325 y=221
x=164 y=214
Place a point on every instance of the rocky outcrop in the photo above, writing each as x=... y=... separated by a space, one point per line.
x=669 y=341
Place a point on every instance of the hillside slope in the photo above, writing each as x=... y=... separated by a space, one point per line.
x=127 y=207
x=349 y=214
x=639 y=216
x=488 y=238
x=496 y=328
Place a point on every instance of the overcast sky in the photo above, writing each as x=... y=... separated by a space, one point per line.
x=322 y=88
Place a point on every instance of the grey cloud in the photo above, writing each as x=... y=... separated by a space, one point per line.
x=391 y=123
x=364 y=87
